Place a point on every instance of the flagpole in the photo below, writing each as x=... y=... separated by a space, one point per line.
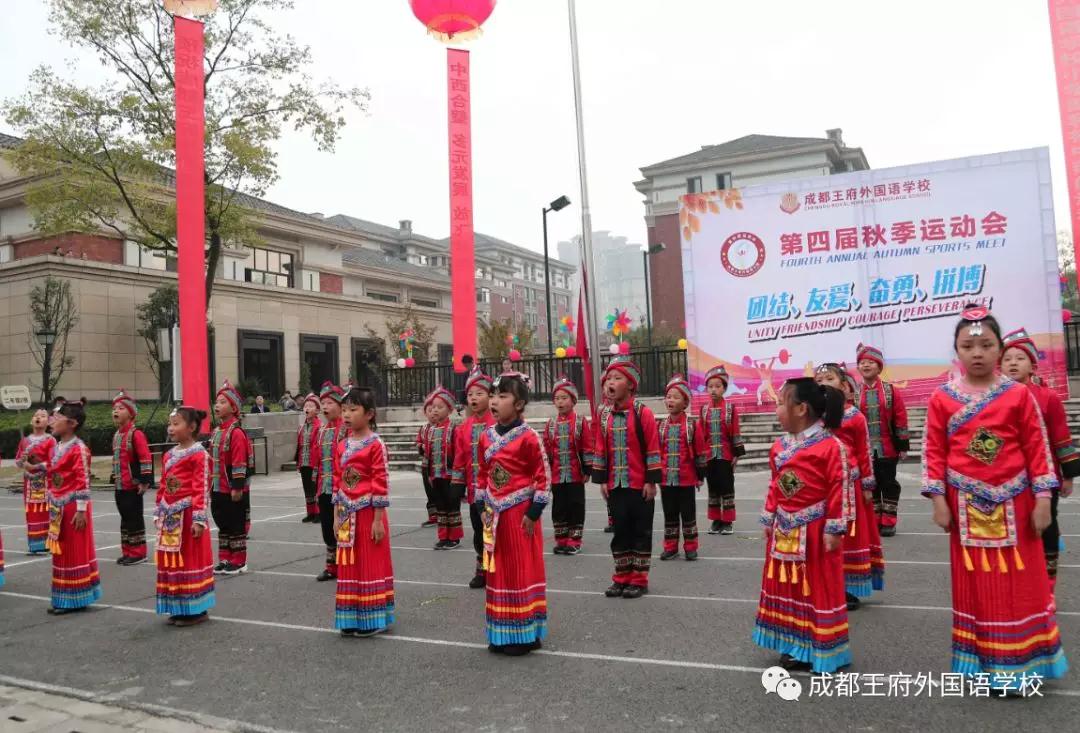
x=587 y=262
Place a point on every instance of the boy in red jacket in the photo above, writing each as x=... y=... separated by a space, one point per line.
x=626 y=464
x=232 y=461
x=680 y=445
x=723 y=446
x=307 y=455
x=132 y=474
x=567 y=441
x=464 y=475
x=886 y=416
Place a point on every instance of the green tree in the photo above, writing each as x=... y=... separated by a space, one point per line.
x=160 y=310
x=662 y=335
x=1070 y=298
x=101 y=155
x=306 y=387
x=53 y=316
x=493 y=338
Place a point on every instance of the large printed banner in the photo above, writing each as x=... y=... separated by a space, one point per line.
x=781 y=277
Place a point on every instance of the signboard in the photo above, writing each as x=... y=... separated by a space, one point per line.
x=15 y=398
x=781 y=277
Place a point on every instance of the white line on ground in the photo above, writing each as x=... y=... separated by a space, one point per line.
x=648 y=661
x=207 y=721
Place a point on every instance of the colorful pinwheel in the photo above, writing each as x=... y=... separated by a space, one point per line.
x=619 y=323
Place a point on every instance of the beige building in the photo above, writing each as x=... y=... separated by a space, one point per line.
x=311 y=291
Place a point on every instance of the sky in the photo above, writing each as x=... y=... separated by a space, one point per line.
x=908 y=82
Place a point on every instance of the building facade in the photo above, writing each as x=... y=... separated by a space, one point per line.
x=316 y=289
x=620 y=275
x=746 y=161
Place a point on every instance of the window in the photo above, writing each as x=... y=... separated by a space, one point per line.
x=268 y=267
x=693 y=185
x=384 y=297
x=321 y=355
x=424 y=302
x=311 y=281
x=723 y=181
x=483 y=295
x=262 y=357
x=135 y=255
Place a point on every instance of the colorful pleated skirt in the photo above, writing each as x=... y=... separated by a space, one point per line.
x=185 y=579
x=802 y=611
x=75 y=581
x=516 y=606
x=1003 y=623
x=365 y=579
x=858 y=567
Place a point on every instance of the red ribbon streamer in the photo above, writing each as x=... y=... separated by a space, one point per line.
x=462 y=243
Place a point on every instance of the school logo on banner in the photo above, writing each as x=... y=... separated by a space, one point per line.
x=742 y=254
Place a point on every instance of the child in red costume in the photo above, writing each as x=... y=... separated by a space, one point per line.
x=232 y=461
x=568 y=442
x=467 y=459
x=307 y=456
x=39 y=444
x=988 y=469
x=886 y=417
x=681 y=445
x=802 y=613
x=723 y=446
x=132 y=474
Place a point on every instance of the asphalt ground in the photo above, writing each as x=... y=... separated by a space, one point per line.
x=680 y=658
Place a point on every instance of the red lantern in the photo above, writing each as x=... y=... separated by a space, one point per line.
x=451 y=21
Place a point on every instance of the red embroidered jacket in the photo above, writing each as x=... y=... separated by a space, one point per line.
x=627 y=452
x=1066 y=457
x=230 y=457
x=131 y=451
x=886 y=417
x=719 y=426
x=513 y=470
x=363 y=464
x=331 y=434
x=439 y=450
x=568 y=441
x=41 y=447
x=810 y=475
x=682 y=443
x=307 y=444
x=185 y=481
x=68 y=474
x=466 y=452
x=856 y=438
x=988 y=446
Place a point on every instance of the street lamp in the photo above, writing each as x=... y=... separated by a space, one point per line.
x=645 y=252
x=46 y=337
x=557 y=205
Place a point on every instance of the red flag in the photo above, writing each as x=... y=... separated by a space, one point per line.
x=583 y=348
x=462 y=241
x=1065 y=39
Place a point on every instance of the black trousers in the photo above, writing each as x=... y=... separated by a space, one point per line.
x=568 y=513
x=631 y=545
x=307 y=478
x=432 y=496
x=448 y=509
x=229 y=517
x=1052 y=540
x=326 y=521
x=132 y=523
x=886 y=490
x=720 y=475
x=477 y=536
x=679 y=512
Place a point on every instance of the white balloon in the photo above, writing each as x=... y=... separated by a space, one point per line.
x=772 y=677
x=614 y=348
x=401 y=363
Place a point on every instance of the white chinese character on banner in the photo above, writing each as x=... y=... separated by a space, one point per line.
x=821 y=685
x=952 y=684
x=1031 y=684
x=979 y=685
x=847 y=684
x=924 y=684
x=1005 y=681
x=872 y=684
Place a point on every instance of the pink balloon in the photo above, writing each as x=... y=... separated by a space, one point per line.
x=515 y=355
x=1066 y=315
x=624 y=348
x=571 y=352
x=410 y=362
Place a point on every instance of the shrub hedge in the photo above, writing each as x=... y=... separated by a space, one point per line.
x=97 y=432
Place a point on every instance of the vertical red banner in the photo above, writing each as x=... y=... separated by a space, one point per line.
x=462 y=243
x=1065 y=34
x=190 y=215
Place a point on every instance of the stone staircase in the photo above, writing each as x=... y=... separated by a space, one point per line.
x=759 y=430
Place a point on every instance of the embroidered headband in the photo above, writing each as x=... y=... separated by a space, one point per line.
x=231 y=395
x=127 y=402
x=871 y=353
x=440 y=393
x=1019 y=339
x=565 y=385
x=975 y=315
x=331 y=391
x=625 y=366
x=680 y=385
x=717 y=372
x=477 y=378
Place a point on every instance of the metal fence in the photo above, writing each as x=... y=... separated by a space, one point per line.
x=411 y=385
x=1072 y=346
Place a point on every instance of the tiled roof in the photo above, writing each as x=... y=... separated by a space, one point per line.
x=8 y=141
x=488 y=243
x=370 y=258
x=740 y=146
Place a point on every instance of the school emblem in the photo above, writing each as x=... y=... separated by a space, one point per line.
x=172 y=484
x=789 y=483
x=985 y=446
x=500 y=476
x=351 y=477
